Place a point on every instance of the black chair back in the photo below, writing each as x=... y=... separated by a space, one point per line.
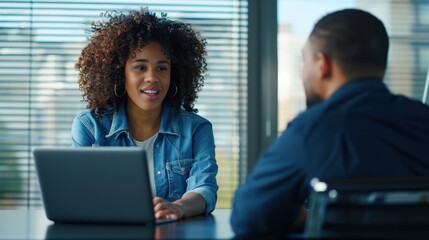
x=369 y=208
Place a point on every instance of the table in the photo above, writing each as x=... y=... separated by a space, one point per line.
x=33 y=224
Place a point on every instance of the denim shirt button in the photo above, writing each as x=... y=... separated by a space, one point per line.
x=159 y=172
x=157 y=145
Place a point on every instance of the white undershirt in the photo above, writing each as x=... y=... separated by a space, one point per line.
x=147 y=145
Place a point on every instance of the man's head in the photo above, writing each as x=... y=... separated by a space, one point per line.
x=343 y=45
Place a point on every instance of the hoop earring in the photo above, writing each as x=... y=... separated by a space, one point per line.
x=114 y=90
x=175 y=92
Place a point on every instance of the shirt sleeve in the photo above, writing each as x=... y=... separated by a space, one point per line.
x=202 y=177
x=270 y=200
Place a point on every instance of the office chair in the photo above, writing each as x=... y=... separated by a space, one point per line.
x=369 y=208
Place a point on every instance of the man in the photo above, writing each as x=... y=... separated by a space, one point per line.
x=353 y=127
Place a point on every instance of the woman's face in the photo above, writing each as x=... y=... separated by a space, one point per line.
x=147 y=77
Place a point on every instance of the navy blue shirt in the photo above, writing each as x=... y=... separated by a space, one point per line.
x=362 y=130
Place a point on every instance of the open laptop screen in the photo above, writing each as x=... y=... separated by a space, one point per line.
x=95 y=184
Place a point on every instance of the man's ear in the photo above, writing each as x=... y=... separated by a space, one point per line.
x=323 y=66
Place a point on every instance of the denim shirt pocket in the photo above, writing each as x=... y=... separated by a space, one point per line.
x=178 y=173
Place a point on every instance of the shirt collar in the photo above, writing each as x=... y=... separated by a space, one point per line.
x=168 y=123
x=119 y=123
x=357 y=85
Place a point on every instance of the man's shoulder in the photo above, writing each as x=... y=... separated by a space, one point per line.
x=310 y=116
x=387 y=109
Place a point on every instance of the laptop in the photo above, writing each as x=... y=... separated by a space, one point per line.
x=95 y=184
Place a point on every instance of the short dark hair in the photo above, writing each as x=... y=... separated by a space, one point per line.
x=101 y=64
x=356 y=39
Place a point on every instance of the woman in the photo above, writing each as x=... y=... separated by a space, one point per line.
x=140 y=75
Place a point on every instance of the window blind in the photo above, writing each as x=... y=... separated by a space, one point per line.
x=407 y=24
x=40 y=41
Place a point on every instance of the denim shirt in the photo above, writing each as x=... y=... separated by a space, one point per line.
x=184 y=149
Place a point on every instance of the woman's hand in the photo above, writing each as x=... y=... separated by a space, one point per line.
x=191 y=204
x=165 y=209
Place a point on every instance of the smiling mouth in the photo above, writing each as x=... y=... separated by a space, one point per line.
x=150 y=92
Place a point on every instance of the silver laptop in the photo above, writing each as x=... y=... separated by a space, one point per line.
x=95 y=184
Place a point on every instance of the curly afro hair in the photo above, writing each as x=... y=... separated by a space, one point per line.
x=101 y=64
